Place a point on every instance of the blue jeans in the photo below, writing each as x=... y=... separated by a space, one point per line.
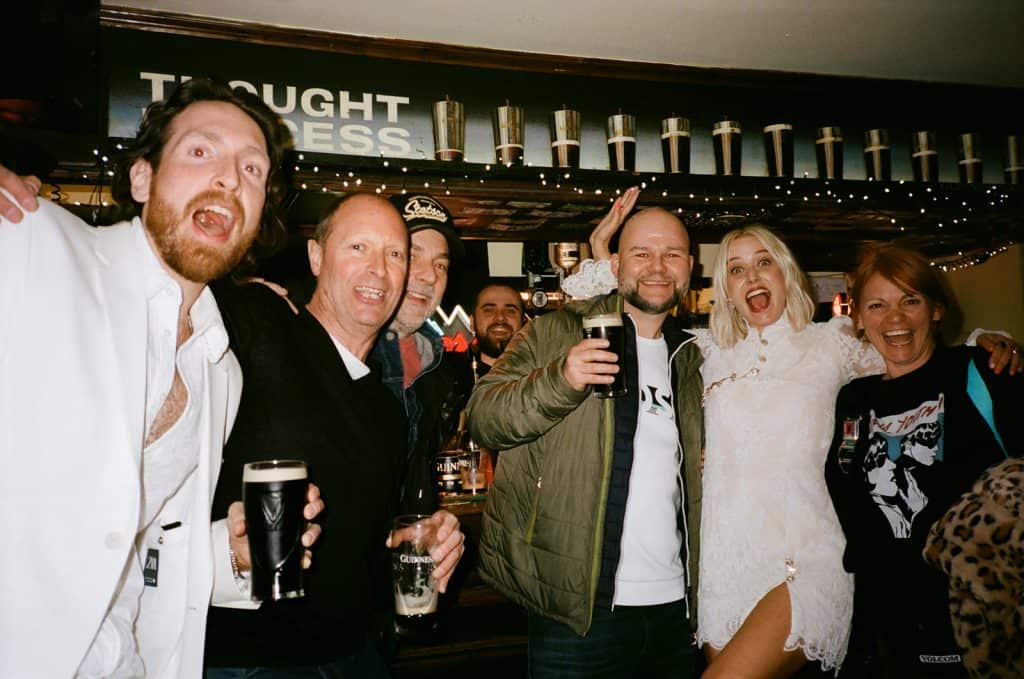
x=629 y=641
x=365 y=663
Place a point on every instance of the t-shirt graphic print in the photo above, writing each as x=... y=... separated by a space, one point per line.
x=899 y=446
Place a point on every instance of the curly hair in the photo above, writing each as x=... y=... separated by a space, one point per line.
x=155 y=130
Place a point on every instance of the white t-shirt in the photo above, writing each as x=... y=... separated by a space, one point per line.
x=650 y=566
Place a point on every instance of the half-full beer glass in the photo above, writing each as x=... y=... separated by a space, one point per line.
x=609 y=327
x=412 y=536
x=274 y=495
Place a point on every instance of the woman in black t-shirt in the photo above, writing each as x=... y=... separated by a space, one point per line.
x=907 y=445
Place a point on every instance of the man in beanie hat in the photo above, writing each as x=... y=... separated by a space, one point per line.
x=410 y=354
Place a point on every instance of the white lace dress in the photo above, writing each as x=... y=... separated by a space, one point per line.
x=767 y=518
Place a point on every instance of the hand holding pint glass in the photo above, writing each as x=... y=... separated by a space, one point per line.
x=412 y=538
x=274 y=495
x=594 y=361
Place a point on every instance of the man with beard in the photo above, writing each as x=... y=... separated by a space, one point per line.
x=310 y=394
x=431 y=386
x=117 y=390
x=593 y=518
x=497 y=315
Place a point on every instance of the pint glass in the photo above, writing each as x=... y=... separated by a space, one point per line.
x=412 y=536
x=609 y=327
x=274 y=495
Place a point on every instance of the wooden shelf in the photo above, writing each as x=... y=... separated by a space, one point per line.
x=825 y=222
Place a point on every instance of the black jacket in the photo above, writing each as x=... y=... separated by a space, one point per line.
x=298 y=401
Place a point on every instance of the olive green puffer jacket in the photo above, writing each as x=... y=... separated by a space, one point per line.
x=544 y=522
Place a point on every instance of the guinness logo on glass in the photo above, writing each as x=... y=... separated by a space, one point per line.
x=273 y=510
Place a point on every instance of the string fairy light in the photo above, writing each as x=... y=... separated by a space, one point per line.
x=909 y=209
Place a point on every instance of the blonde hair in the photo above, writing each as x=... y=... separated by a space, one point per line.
x=727 y=325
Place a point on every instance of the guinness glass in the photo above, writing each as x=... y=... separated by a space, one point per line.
x=877 y=155
x=621 y=130
x=728 y=147
x=1014 y=167
x=675 y=145
x=509 y=134
x=924 y=156
x=412 y=537
x=565 y=138
x=609 y=327
x=449 y=130
x=969 y=159
x=274 y=495
x=778 y=149
x=828 y=146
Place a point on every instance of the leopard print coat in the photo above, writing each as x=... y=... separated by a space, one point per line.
x=979 y=544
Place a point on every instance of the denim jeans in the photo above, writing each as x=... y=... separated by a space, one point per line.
x=627 y=641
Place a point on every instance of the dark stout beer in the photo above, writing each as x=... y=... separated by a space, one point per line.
x=926 y=166
x=877 y=155
x=621 y=129
x=728 y=143
x=274 y=495
x=609 y=327
x=565 y=138
x=778 y=149
x=828 y=147
x=924 y=157
x=565 y=153
x=675 y=145
x=969 y=159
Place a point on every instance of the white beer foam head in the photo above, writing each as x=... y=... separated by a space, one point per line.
x=602 y=320
x=287 y=470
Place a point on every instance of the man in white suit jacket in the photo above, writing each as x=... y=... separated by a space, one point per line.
x=117 y=392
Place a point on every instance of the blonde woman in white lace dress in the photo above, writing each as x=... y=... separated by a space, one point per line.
x=773 y=593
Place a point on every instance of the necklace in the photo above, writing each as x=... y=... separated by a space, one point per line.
x=753 y=372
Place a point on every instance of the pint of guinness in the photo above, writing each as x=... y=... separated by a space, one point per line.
x=828 y=147
x=412 y=537
x=877 y=155
x=274 y=495
x=924 y=156
x=778 y=149
x=726 y=136
x=621 y=130
x=969 y=158
x=609 y=327
x=565 y=138
x=675 y=144
x=509 y=134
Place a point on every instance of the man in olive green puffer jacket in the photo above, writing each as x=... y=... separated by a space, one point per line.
x=593 y=519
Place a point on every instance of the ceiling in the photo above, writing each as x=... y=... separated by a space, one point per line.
x=975 y=42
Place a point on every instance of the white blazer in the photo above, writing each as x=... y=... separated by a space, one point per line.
x=73 y=337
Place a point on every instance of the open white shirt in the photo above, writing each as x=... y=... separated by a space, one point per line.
x=168 y=461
